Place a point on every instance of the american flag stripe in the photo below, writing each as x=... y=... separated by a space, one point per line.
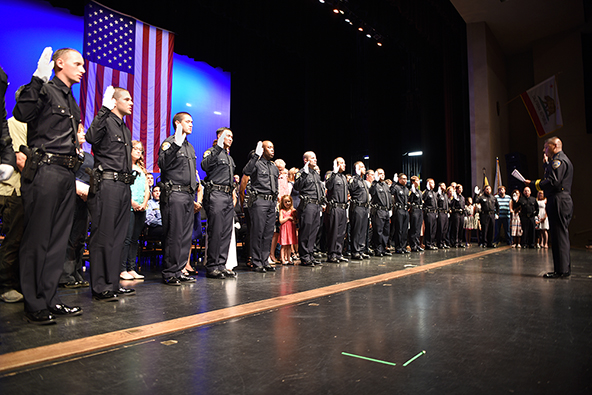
x=149 y=79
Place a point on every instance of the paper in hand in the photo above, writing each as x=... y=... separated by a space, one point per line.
x=517 y=175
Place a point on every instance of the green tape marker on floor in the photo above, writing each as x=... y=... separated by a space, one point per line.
x=414 y=358
x=369 y=359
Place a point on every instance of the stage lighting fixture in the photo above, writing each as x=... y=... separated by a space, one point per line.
x=361 y=29
x=368 y=35
x=415 y=153
x=379 y=44
x=217 y=113
x=336 y=11
x=366 y=157
x=188 y=104
x=322 y=1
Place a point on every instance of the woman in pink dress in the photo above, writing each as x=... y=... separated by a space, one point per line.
x=287 y=228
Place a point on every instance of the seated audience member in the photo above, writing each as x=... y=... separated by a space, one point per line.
x=153 y=215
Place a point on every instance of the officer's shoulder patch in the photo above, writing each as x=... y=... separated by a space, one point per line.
x=207 y=153
x=556 y=163
x=166 y=145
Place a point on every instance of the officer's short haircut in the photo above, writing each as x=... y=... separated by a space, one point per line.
x=221 y=130
x=59 y=54
x=117 y=92
x=179 y=117
x=414 y=178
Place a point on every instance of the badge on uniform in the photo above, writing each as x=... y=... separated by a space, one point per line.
x=298 y=175
x=207 y=153
x=556 y=163
x=166 y=145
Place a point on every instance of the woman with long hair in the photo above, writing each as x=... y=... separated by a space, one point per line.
x=140 y=195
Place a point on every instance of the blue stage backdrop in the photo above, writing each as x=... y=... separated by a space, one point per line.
x=28 y=26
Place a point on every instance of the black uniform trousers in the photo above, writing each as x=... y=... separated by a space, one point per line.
x=262 y=213
x=380 y=230
x=415 y=222
x=220 y=211
x=177 y=224
x=487 y=228
x=110 y=209
x=48 y=202
x=309 y=220
x=456 y=228
x=442 y=230
x=73 y=261
x=401 y=218
x=528 y=231
x=336 y=228
x=430 y=229
x=358 y=218
x=12 y=213
x=560 y=211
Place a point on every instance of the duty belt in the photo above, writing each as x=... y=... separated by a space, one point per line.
x=430 y=210
x=338 y=205
x=181 y=188
x=221 y=188
x=126 y=178
x=458 y=210
x=417 y=206
x=67 y=161
x=266 y=197
x=356 y=203
x=401 y=206
x=309 y=200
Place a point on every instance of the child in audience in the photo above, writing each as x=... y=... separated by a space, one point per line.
x=288 y=221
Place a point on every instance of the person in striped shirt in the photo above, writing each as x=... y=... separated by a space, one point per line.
x=504 y=217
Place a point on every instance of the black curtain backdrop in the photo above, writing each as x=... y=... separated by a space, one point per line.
x=306 y=80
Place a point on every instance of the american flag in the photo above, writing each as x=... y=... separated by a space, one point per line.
x=122 y=51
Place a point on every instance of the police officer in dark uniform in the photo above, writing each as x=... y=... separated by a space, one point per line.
x=530 y=209
x=457 y=216
x=219 y=186
x=109 y=200
x=415 y=214
x=176 y=159
x=336 y=214
x=358 y=211
x=442 y=202
x=380 y=213
x=263 y=194
x=557 y=186
x=400 y=213
x=308 y=183
x=47 y=188
x=489 y=208
x=7 y=157
x=430 y=215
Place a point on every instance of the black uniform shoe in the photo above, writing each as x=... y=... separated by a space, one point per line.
x=106 y=296
x=462 y=246
x=342 y=259
x=365 y=256
x=186 y=279
x=432 y=248
x=174 y=281
x=126 y=291
x=71 y=285
x=332 y=260
x=215 y=274
x=304 y=263
x=269 y=268
x=317 y=263
x=259 y=269
x=40 y=317
x=379 y=254
x=63 y=310
x=556 y=275
x=356 y=257
x=406 y=251
x=386 y=253
x=229 y=273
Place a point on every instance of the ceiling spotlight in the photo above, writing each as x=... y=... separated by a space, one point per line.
x=361 y=29
x=369 y=36
x=379 y=44
x=322 y=1
x=335 y=10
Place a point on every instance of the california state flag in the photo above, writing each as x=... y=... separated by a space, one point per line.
x=542 y=103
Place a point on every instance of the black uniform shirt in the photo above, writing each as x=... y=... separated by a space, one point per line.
x=380 y=194
x=558 y=175
x=111 y=142
x=415 y=198
x=442 y=201
x=7 y=154
x=309 y=185
x=263 y=175
x=219 y=166
x=358 y=190
x=177 y=163
x=400 y=195
x=49 y=109
x=458 y=204
x=336 y=185
x=489 y=204
x=430 y=199
x=530 y=207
